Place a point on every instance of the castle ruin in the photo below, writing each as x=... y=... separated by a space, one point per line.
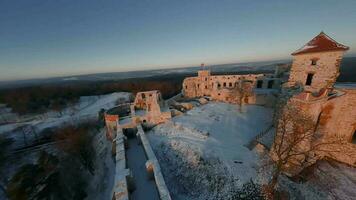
x=332 y=108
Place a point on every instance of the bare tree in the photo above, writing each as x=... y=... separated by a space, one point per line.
x=296 y=143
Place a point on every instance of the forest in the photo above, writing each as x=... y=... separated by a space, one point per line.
x=41 y=98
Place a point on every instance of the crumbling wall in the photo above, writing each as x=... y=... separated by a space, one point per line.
x=338 y=120
x=222 y=87
x=154 y=105
x=111 y=125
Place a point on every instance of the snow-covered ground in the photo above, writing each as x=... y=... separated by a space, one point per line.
x=328 y=180
x=26 y=133
x=86 y=109
x=202 y=153
x=101 y=184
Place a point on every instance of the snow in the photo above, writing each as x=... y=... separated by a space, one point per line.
x=145 y=188
x=103 y=181
x=209 y=140
x=87 y=108
x=330 y=180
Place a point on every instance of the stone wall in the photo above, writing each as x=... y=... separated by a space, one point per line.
x=227 y=88
x=338 y=119
x=334 y=115
x=120 y=190
x=111 y=125
x=153 y=166
x=325 y=71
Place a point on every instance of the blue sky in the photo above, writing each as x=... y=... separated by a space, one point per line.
x=45 y=38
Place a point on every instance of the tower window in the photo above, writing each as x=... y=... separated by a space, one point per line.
x=206 y=87
x=259 y=83
x=206 y=79
x=314 y=61
x=198 y=85
x=230 y=84
x=309 y=79
x=186 y=87
x=224 y=84
x=219 y=85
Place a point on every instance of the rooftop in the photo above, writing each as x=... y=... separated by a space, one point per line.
x=320 y=43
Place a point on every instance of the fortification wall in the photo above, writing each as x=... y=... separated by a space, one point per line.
x=338 y=120
x=335 y=124
x=153 y=166
x=120 y=190
x=204 y=86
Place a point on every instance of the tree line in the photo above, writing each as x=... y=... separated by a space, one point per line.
x=39 y=99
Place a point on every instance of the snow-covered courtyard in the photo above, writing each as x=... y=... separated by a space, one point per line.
x=203 y=153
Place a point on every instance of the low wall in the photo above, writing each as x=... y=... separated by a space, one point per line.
x=120 y=190
x=174 y=98
x=152 y=165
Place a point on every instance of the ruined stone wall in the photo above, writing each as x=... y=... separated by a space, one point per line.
x=221 y=88
x=339 y=115
x=338 y=119
x=111 y=122
x=148 y=100
x=325 y=71
x=152 y=165
x=155 y=108
x=335 y=124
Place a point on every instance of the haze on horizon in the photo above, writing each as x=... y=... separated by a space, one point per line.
x=54 y=38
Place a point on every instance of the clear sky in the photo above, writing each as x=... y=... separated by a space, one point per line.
x=44 y=38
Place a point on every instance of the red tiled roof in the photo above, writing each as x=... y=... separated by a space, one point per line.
x=320 y=43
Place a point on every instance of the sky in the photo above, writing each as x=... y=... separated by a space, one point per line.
x=47 y=38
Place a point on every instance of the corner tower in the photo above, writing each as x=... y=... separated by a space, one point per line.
x=316 y=65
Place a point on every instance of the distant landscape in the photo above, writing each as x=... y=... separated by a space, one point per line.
x=40 y=95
